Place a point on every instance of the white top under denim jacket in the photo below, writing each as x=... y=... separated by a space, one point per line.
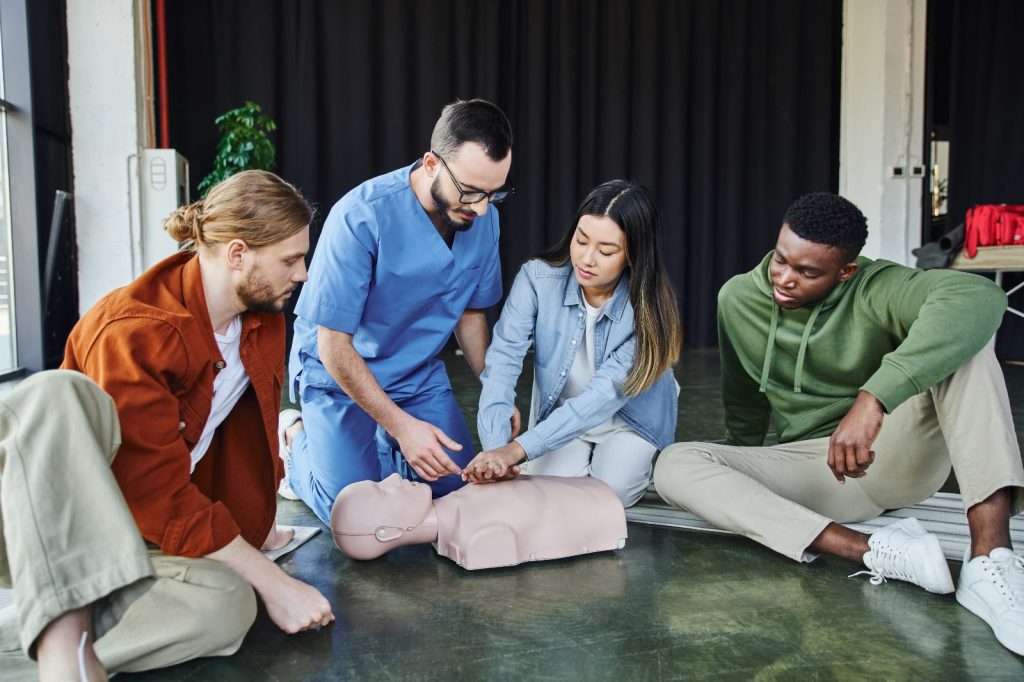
x=545 y=309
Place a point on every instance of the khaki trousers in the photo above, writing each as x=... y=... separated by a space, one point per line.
x=783 y=496
x=69 y=541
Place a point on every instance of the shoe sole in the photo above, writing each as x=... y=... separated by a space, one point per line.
x=944 y=579
x=979 y=608
x=286 y=491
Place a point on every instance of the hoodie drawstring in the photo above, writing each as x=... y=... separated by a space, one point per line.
x=769 y=352
x=803 y=347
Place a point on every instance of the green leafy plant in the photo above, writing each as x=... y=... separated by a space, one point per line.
x=244 y=144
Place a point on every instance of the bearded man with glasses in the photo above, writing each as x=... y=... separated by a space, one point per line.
x=404 y=260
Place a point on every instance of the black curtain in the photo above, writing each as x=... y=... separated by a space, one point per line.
x=726 y=110
x=986 y=126
x=48 y=56
x=986 y=147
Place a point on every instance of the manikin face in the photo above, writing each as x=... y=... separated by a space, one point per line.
x=271 y=273
x=475 y=172
x=598 y=255
x=393 y=503
x=803 y=272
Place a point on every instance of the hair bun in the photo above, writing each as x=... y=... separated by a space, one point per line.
x=185 y=223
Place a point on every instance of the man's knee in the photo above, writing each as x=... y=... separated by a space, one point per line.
x=59 y=388
x=675 y=465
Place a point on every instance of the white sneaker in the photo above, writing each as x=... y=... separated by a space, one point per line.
x=284 y=421
x=992 y=588
x=904 y=550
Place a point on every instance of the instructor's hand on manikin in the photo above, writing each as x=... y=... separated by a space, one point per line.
x=849 y=448
x=423 y=446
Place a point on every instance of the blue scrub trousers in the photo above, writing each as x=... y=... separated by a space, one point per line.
x=341 y=444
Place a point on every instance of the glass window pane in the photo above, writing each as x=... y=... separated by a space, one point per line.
x=8 y=351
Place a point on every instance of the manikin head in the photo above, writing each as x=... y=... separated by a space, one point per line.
x=371 y=518
x=821 y=236
x=253 y=229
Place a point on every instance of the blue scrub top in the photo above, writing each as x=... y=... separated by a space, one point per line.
x=382 y=273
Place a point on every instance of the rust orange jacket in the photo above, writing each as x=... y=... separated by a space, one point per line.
x=150 y=345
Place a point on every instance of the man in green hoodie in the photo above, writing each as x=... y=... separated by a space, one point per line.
x=879 y=378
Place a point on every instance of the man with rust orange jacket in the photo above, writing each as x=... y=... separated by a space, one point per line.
x=192 y=355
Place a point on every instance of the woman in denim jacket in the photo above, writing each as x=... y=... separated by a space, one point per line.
x=602 y=318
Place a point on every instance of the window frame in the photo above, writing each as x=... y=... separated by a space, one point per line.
x=26 y=285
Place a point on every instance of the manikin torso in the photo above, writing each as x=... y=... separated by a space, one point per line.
x=528 y=518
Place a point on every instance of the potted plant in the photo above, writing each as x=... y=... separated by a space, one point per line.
x=244 y=144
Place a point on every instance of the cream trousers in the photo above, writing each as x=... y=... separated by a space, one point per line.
x=69 y=541
x=783 y=496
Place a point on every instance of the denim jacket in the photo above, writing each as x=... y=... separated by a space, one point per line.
x=545 y=309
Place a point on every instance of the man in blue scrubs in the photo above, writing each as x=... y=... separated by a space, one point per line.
x=404 y=260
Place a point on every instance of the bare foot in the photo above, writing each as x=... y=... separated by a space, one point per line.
x=57 y=649
x=278 y=538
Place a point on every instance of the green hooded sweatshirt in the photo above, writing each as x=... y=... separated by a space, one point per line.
x=890 y=330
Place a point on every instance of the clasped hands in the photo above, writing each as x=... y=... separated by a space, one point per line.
x=499 y=464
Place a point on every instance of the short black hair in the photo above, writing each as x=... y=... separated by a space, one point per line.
x=826 y=218
x=472 y=120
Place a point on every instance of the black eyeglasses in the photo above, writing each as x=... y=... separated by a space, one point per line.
x=476 y=196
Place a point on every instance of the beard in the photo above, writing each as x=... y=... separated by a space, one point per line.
x=257 y=295
x=443 y=207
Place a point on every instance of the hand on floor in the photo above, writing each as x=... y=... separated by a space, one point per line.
x=295 y=606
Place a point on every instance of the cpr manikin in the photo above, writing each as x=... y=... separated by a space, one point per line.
x=527 y=518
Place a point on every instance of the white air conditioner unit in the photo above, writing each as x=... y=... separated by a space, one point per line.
x=163 y=186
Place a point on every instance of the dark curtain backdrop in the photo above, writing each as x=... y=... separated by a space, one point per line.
x=727 y=110
x=48 y=55
x=986 y=147
x=986 y=131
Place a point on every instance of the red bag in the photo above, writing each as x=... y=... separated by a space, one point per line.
x=993 y=225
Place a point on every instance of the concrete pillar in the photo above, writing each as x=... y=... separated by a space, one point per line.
x=111 y=114
x=881 y=161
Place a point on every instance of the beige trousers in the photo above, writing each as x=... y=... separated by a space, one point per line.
x=783 y=496
x=69 y=541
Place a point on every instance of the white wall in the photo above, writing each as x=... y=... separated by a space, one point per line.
x=882 y=120
x=110 y=114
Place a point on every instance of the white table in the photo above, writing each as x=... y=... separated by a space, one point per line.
x=998 y=260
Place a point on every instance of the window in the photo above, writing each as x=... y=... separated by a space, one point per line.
x=21 y=330
x=8 y=331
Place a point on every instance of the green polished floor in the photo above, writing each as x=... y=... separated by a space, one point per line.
x=671 y=605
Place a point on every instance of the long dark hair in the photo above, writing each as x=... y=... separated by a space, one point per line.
x=659 y=333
